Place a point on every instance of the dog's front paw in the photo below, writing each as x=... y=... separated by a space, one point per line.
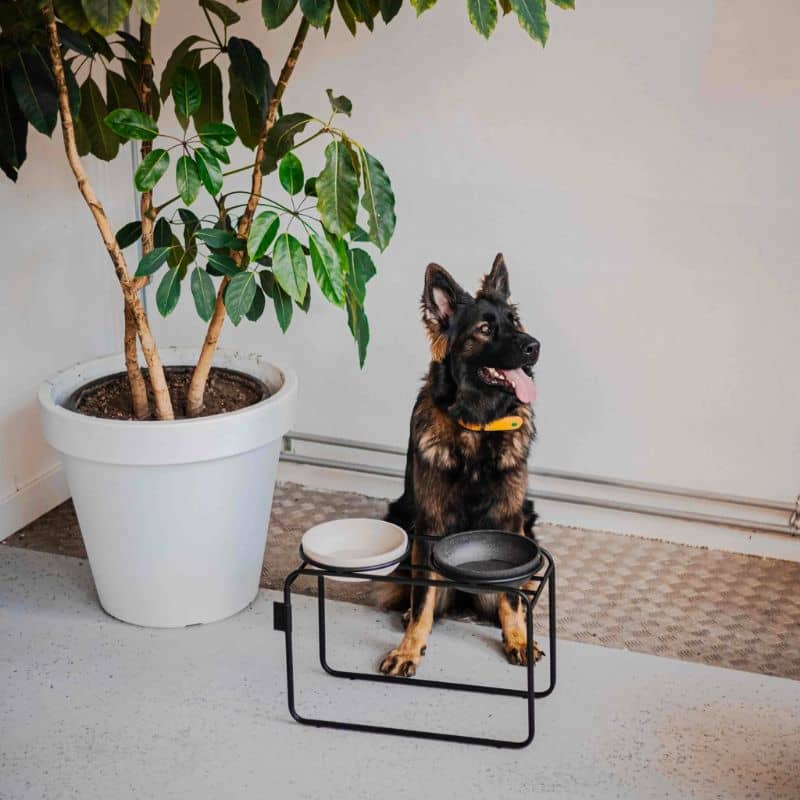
x=516 y=650
x=401 y=662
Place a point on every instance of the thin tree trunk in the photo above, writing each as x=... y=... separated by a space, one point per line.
x=197 y=387
x=158 y=381
x=141 y=406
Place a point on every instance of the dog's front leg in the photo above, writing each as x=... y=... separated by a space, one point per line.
x=404 y=659
x=511 y=612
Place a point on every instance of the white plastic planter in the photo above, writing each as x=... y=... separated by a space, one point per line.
x=174 y=514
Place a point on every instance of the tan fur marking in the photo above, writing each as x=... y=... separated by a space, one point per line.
x=515 y=635
x=438 y=346
x=405 y=658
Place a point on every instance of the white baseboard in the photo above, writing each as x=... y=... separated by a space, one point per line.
x=32 y=500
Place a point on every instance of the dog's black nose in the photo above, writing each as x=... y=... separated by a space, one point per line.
x=530 y=346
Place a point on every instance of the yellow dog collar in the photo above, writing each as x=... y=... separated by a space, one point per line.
x=512 y=423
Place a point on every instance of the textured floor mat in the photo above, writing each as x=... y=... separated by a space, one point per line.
x=624 y=592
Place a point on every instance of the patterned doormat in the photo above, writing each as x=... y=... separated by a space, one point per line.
x=689 y=603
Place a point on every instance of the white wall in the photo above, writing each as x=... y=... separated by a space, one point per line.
x=60 y=304
x=640 y=176
x=639 y=173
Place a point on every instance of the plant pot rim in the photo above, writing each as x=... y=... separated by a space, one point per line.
x=160 y=442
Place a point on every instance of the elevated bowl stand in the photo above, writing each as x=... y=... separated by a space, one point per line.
x=282 y=621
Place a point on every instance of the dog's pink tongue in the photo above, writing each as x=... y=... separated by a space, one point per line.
x=523 y=384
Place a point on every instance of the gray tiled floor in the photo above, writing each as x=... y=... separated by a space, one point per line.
x=93 y=708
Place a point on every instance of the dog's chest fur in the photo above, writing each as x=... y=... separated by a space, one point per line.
x=464 y=479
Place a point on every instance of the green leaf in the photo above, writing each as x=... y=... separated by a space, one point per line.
x=283 y=306
x=532 y=16
x=267 y=282
x=289 y=266
x=422 y=5
x=347 y=15
x=73 y=90
x=162 y=234
x=187 y=179
x=227 y=15
x=316 y=11
x=239 y=295
x=210 y=110
x=204 y=294
x=147 y=9
x=257 y=307
x=13 y=130
x=389 y=9
x=327 y=269
x=105 y=16
x=262 y=232
x=248 y=65
x=74 y=41
x=119 y=93
x=150 y=171
x=186 y=93
x=35 y=91
x=364 y=11
x=174 y=61
x=280 y=139
x=483 y=15
x=131 y=124
x=190 y=224
x=246 y=113
x=152 y=261
x=359 y=327
x=168 y=292
x=104 y=143
x=223 y=265
x=340 y=104
x=337 y=190
x=377 y=200
x=306 y=304
x=290 y=173
x=276 y=12
x=217 y=132
x=71 y=11
x=209 y=169
x=310 y=187
x=214 y=237
x=505 y=5
x=132 y=46
x=359 y=235
x=569 y=4
x=129 y=233
x=360 y=270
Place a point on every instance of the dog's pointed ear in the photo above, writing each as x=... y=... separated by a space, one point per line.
x=440 y=297
x=496 y=282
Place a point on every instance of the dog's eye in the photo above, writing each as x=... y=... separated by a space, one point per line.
x=485 y=328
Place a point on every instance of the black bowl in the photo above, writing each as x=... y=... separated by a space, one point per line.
x=491 y=557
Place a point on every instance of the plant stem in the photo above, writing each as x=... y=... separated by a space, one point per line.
x=141 y=409
x=157 y=379
x=197 y=387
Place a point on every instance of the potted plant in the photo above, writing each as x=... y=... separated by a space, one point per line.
x=172 y=463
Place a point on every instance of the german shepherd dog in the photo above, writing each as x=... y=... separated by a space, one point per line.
x=458 y=479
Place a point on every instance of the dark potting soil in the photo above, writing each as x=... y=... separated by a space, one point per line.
x=226 y=390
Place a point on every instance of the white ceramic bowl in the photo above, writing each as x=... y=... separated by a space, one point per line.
x=355 y=544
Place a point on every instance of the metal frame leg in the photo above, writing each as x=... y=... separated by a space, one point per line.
x=283 y=621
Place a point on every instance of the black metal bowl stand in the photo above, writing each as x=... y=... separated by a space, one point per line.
x=529 y=597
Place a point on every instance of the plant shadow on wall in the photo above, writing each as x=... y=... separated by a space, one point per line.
x=74 y=60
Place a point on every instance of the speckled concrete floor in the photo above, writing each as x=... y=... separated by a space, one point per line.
x=709 y=606
x=93 y=708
